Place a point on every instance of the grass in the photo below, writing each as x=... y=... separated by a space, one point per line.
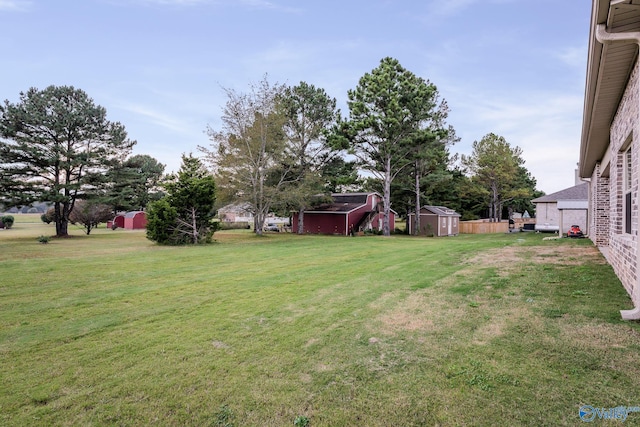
x=110 y=329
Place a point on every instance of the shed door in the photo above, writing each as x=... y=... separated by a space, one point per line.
x=449 y=223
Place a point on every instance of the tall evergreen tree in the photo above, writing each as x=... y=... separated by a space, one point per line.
x=389 y=108
x=56 y=144
x=185 y=214
x=309 y=114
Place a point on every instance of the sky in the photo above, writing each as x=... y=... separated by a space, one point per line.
x=515 y=68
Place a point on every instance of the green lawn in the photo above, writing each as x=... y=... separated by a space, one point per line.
x=110 y=329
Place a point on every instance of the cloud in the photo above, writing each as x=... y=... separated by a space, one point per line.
x=264 y=4
x=15 y=5
x=158 y=118
x=575 y=56
x=546 y=126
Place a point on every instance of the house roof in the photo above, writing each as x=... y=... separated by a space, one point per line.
x=343 y=203
x=577 y=192
x=439 y=210
x=609 y=66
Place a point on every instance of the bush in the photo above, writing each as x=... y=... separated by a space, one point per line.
x=7 y=220
x=48 y=216
x=234 y=225
x=44 y=239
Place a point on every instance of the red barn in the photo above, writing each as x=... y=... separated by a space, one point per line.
x=347 y=212
x=135 y=220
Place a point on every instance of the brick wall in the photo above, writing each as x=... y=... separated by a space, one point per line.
x=623 y=254
x=599 y=208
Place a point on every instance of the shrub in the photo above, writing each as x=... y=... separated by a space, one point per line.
x=48 y=216
x=234 y=225
x=7 y=220
x=43 y=239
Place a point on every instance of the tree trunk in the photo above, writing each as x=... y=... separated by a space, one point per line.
x=417 y=207
x=386 y=199
x=62 y=219
x=301 y=220
x=194 y=225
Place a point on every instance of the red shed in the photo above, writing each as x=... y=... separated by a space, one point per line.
x=135 y=220
x=352 y=211
x=119 y=220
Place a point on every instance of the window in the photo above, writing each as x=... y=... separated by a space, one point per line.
x=627 y=190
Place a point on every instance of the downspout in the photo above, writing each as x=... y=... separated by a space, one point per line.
x=606 y=38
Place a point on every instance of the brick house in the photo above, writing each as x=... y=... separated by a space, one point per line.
x=610 y=143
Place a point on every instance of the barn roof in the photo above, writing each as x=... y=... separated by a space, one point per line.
x=132 y=214
x=342 y=203
x=577 y=192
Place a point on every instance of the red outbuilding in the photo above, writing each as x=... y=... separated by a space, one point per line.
x=135 y=220
x=348 y=212
x=118 y=221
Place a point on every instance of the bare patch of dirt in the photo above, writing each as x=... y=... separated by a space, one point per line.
x=507 y=257
x=419 y=312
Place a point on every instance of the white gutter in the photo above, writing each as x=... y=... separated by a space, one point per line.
x=606 y=38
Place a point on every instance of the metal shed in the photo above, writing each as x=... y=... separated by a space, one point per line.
x=135 y=220
x=436 y=221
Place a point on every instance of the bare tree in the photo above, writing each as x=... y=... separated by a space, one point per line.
x=248 y=154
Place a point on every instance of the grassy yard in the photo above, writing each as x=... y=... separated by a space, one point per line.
x=110 y=329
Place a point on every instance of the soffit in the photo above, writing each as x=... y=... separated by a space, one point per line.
x=608 y=71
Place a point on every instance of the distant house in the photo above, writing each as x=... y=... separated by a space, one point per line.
x=236 y=212
x=559 y=211
x=347 y=212
x=436 y=221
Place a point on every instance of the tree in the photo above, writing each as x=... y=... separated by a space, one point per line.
x=133 y=183
x=57 y=145
x=248 y=155
x=309 y=113
x=389 y=109
x=494 y=167
x=89 y=214
x=340 y=175
x=430 y=156
x=185 y=214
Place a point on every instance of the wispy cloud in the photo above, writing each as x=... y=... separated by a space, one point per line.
x=453 y=7
x=265 y=4
x=252 y=4
x=575 y=56
x=14 y=5
x=157 y=118
x=547 y=128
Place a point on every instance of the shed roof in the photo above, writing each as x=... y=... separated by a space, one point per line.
x=132 y=214
x=441 y=210
x=577 y=192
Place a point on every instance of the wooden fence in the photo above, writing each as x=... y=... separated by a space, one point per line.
x=483 y=227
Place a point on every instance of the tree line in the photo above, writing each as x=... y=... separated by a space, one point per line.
x=279 y=149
